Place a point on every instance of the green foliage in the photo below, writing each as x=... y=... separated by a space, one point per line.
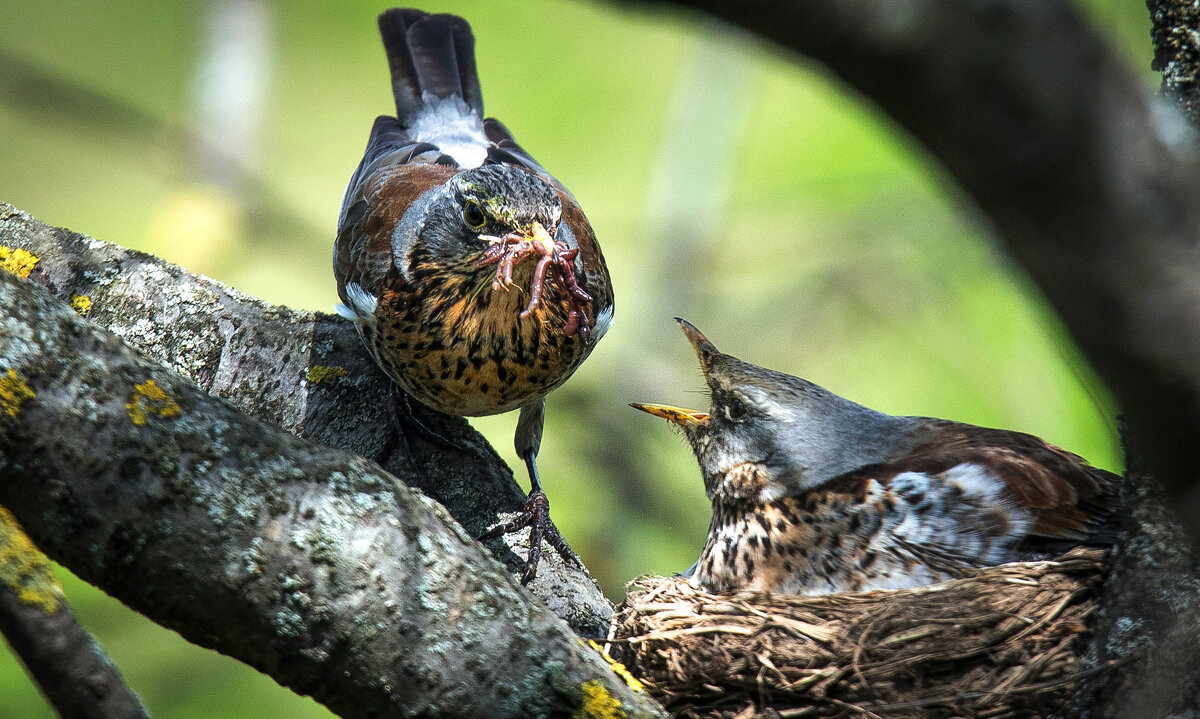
x=727 y=184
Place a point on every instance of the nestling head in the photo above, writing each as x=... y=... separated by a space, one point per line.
x=769 y=434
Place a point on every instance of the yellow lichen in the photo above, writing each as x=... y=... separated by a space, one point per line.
x=13 y=391
x=320 y=373
x=24 y=570
x=81 y=304
x=619 y=668
x=598 y=703
x=149 y=399
x=17 y=261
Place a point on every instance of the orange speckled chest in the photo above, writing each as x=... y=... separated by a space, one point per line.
x=466 y=350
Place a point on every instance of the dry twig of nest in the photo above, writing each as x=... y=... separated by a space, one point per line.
x=1005 y=642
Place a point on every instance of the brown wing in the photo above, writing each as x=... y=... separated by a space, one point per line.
x=363 y=252
x=1070 y=500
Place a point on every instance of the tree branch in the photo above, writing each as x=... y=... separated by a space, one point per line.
x=304 y=372
x=1091 y=184
x=1148 y=617
x=1090 y=181
x=308 y=563
x=72 y=670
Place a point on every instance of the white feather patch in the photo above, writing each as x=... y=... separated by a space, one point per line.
x=952 y=519
x=449 y=123
x=362 y=304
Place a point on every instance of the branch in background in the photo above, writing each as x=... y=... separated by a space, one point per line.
x=304 y=372
x=72 y=670
x=1091 y=184
x=1090 y=181
x=1176 y=35
x=1149 y=617
x=307 y=563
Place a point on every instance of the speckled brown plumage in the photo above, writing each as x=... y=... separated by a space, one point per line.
x=814 y=494
x=472 y=275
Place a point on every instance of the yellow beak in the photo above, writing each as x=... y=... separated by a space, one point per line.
x=681 y=417
x=541 y=239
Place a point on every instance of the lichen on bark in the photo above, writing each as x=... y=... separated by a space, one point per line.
x=307 y=562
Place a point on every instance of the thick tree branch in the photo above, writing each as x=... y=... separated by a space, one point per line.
x=306 y=373
x=1090 y=181
x=305 y=562
x=1092 y=185
x=1149 y=616
x=72 y=670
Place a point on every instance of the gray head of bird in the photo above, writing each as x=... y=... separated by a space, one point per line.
x=769 y=434
x=475 y=213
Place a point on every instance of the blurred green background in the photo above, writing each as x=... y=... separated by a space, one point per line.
x=729 y=184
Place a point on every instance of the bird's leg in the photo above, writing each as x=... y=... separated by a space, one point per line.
x=535 y=515
x=536 y=512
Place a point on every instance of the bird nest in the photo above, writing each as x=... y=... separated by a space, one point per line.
x=1004 y=642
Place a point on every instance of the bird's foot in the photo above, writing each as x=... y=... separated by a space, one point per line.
x=536 y=516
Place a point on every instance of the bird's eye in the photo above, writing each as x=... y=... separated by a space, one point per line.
x=735 y=410
x=473 y=215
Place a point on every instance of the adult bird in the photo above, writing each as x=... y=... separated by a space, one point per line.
x=814 y=494
x=471 y=274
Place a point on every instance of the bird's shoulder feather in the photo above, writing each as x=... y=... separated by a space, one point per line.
x=363 y=249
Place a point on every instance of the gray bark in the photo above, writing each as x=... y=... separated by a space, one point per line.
x=1149 y=618
x=309 y=563
x=1176 y=36
x=75 y=674
x=304 y=372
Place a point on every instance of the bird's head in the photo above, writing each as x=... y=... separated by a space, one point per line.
x=479 y=229
x=479 y=207
x=769 y=434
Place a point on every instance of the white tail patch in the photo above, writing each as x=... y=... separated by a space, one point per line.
x=449 y=123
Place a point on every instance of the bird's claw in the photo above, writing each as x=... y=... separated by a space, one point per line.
x=536 y=516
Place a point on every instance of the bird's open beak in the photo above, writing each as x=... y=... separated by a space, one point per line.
x=681 y=417
x=705 y=350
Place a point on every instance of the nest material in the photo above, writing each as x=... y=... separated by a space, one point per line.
x=1005 y=642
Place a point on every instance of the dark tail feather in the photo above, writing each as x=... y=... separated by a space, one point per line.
x=432 y=54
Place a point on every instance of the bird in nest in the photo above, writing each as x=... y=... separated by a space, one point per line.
x=472 y=275
x=815 y=494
